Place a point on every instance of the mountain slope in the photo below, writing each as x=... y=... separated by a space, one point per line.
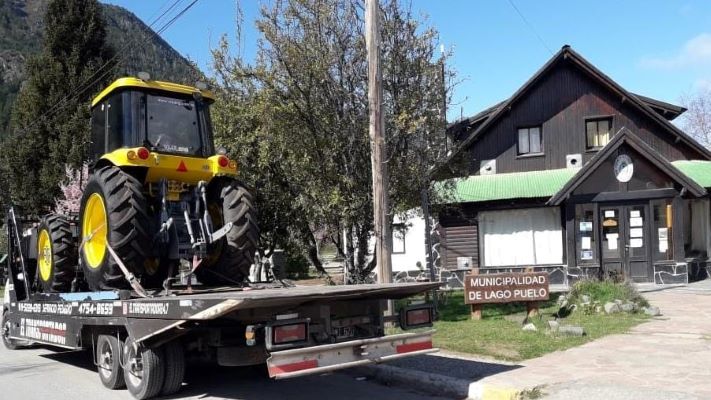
x=21 y=24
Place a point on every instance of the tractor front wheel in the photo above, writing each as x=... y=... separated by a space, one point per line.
x=114 y=212
x=56 y=254
x=231 y=257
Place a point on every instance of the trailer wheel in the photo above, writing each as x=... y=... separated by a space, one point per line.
x=143 y=370
x=174 y=367
x=10 y=344
x=108 y=360
x=231 y=257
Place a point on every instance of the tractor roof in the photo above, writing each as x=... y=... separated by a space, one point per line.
x=130 y=82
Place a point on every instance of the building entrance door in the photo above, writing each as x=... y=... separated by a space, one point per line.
x=624 y=239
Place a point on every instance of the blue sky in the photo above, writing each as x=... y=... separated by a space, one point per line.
x=660 y=49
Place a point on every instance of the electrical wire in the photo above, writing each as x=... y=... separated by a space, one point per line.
x=540 y=39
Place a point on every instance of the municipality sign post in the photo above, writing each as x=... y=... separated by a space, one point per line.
x=528 y=287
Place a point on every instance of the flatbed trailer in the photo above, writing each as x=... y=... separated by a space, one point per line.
x=143 y=341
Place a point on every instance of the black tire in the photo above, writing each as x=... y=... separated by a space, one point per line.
x=108 y=361
x=231 y=257
x=128 y=229
x=144 y=378
x=61 y=254
x=10 y=344
x=174 y=367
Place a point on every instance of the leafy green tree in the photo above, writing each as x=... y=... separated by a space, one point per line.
x=49 y=126
x=297 y=120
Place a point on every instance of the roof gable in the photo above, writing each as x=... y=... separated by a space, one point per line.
x=493 y=114
x=627 y=137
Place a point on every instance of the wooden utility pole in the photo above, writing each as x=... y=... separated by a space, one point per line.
x=378 y=153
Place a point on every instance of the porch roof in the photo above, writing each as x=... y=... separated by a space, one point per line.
x=515 y=185
x=699 y=171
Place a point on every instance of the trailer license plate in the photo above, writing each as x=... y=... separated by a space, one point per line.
x=345 y=332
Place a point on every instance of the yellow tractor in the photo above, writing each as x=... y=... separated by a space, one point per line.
x=158 y=194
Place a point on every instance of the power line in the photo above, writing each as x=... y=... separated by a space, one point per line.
x=540 y=39
x=117 y=58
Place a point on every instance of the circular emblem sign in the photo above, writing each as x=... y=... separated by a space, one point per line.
x=623 y=168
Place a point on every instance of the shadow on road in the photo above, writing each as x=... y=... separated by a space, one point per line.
x=470 y=370
x=81 y=359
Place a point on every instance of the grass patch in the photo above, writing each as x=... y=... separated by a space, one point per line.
x=499 y=335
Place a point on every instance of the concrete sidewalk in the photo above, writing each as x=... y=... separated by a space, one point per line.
x=666 y=358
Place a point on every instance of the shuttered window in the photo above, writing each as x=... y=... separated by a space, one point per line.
x=523 y=237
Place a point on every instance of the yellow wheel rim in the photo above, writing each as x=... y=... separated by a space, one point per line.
x=44 y=255
x=93 y=230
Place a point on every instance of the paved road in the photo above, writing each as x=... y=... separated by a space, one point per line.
x=43 y=374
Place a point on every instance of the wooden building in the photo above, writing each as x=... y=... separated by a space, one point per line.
x=576 y=175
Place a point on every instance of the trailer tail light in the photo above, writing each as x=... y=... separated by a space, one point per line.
x=143 y=153
x=290 y=333
x=416 y=316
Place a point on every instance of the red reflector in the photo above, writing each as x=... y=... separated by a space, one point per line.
x=418 y=317
x=297 y=366
x=143 y=153
x=223 y=161
x=289 y=333
x=182 y=167
x=409 y=347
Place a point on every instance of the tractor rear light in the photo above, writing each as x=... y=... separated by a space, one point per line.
x=233 y=164
x=223 y=161
x=131 y=155
x=143 y=153
x=416 y=316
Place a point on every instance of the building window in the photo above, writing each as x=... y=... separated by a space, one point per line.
x=663 y=241
x=585 y=233
x=597 y=132
x=530 y=140
x=399 y=231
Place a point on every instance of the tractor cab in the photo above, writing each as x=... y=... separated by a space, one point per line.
x=163 y=117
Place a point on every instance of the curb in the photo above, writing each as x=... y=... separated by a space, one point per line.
x=436 y=384
x=485 y=391
x=420 y=381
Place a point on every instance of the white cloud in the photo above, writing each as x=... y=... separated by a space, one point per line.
x=696 y=52
x=702 y=84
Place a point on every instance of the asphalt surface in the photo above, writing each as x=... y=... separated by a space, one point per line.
x=41 y=373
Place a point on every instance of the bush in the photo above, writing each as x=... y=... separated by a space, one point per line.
x=297 y=266
x=605 y=291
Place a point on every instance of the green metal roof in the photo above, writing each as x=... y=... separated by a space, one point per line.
x=699 y=171
x=516 y=185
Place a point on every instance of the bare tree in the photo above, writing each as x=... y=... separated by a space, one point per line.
x=696 y=121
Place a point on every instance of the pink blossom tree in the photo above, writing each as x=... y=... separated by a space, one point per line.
x=72 y=188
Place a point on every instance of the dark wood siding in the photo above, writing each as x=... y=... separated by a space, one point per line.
x=459 y=241
x=560 y=102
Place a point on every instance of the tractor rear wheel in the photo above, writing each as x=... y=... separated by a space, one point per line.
x=56 y=254
x=114 y=211
x=230 y=258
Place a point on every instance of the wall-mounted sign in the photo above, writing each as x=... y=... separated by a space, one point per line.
x=623 y=168
x=505 y=288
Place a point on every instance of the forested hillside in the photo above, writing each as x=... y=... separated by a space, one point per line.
x=21 y=23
